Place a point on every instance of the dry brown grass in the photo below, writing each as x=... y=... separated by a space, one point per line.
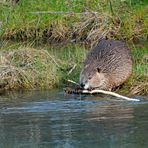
x=27 y=68
x=12 y=78
x=89 y=28
x=83 y=28
x=139 y=88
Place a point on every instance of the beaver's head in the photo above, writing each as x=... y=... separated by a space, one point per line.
x=91 y=78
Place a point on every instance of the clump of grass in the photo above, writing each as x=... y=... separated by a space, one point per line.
x=139 y=87
x=31 y=68
x=12 y=77
x=140 y=60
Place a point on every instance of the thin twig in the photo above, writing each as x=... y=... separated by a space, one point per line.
x=73 y=82
x=52 y=59
x=61 y=12
x=71 y=70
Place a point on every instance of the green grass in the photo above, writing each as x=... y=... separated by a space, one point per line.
x=130 y=20
x=20 y=14
x=140 y=67
x=41 y=68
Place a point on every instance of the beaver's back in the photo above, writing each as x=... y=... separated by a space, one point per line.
x=109 y=54
x=112 y=58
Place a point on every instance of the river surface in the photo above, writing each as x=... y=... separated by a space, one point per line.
x=53 y=119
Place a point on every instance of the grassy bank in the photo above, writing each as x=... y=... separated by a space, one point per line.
x=39 y=68
x=66 y=20
x=49 y=67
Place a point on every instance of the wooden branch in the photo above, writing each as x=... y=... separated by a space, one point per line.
x=81 y=91
x=71 y=70
x=109 y=93
x=71 y=81
x=61 y=12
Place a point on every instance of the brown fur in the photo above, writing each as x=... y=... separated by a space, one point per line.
x=107 y=66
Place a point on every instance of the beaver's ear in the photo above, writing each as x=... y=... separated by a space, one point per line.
x=98 y=70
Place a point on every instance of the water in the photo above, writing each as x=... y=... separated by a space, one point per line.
x=57 y=120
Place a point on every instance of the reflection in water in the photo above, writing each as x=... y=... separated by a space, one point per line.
x=42 y=119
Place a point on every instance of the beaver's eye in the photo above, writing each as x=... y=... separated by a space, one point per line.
x=98 y=70
x=89 y=77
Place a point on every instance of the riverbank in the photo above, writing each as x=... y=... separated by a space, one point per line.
x=27 y=27
x=25 y=67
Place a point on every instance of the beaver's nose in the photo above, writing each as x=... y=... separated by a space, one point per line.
x=82 y=85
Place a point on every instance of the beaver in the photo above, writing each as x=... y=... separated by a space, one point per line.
x=106 y=66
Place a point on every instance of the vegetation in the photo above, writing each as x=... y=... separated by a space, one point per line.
x=62 y=20
x=22 y=66
x=26 y=67
x=29 y=63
